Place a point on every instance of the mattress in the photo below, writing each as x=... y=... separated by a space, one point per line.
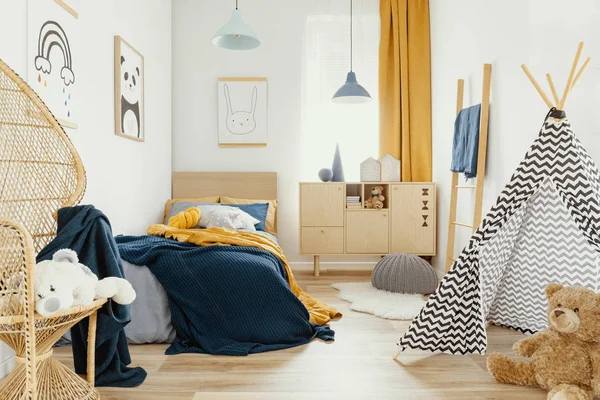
x=150 y=313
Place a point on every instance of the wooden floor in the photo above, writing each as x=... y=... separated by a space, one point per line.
x=358 y=365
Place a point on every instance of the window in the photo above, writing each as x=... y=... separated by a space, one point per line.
x=326 y=63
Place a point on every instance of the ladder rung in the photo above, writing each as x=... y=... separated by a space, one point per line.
x=461 y=224
x=465 y=187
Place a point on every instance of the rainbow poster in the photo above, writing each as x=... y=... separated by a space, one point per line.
x=52 y=64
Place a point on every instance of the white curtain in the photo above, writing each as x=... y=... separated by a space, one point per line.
x=326 y=63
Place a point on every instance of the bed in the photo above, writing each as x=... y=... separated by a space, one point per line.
x=152 y=312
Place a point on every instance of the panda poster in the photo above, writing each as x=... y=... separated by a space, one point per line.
x=129 y=91
x=53 y=65
x=242 y=109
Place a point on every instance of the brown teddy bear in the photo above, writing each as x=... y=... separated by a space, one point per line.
x=563 y=359
x=376 y=199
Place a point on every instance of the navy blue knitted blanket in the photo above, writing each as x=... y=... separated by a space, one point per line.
x=87 y=231
x=226 y=300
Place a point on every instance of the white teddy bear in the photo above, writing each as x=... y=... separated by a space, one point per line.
x=63 y=282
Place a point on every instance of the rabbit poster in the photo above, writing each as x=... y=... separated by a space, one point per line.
x=242 y=111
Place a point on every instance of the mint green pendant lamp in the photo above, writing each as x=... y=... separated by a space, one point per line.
x=351 y=92
x=236 y=35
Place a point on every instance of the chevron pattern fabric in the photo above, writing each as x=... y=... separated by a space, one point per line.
x=550 y=248
x=544 y=227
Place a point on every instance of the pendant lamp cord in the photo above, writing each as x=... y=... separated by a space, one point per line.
x=236 y=4
x=351 y=43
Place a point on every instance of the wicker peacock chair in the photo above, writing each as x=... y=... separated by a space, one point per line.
x=40 y=172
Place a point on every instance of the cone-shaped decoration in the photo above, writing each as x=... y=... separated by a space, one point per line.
x=337 y=167
x=351 y=92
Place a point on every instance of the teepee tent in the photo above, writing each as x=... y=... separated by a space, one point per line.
x=544 y=227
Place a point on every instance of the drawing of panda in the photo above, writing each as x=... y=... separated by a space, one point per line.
x=130 y=98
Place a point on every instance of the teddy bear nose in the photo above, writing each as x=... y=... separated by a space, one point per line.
x=558 y=313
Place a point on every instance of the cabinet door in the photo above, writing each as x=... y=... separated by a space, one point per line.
x=322 y=240
x=367 y=232
x=322 y=204
x=413 y=219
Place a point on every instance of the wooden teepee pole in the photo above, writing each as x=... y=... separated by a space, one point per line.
x=552 y=88
x=583 y=67
x=563 y=100
x=537 y=86
x=571 y=81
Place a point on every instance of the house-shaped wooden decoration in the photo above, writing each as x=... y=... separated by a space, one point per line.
x=390 y=168
x=370 y=170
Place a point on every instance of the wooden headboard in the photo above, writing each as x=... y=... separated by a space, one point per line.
x=247 y=185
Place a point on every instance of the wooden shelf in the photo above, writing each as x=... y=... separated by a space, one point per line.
x=367 y=209
x=406 y=224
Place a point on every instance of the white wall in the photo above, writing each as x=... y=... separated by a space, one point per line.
x=464 y=35
x=128 y=181
x=544 y=35
x=197 y=64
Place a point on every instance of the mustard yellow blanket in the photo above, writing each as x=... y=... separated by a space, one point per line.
x=320 y=313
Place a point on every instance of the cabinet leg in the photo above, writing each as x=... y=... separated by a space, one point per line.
x=317 y=266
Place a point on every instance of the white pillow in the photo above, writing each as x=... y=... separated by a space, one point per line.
x=227 y=217
x=217 y=219
x=205 y=211
x=244 y=221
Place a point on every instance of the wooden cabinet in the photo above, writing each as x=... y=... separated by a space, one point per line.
x=322 y=204
x=324 y=240
x=413 y=222
x=330 y=225
x=367 y=232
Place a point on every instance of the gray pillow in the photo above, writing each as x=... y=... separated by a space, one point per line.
x=176 y=208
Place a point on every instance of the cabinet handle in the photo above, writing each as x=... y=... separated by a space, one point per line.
x=322 y=231
x=385 y=215
x=339 y=188
x=395 y=188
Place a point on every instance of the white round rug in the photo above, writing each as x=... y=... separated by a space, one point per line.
x=365 y=298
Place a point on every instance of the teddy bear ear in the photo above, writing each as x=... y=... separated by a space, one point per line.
x=65 y=255
x=552 y=288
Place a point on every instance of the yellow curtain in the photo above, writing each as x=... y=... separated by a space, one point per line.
x=405 y=86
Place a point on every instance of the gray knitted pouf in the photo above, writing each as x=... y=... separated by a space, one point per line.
x=404 y=273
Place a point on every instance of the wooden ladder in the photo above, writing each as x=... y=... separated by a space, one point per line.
x=481 y=160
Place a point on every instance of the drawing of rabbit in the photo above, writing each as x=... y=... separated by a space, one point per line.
x=241 y=122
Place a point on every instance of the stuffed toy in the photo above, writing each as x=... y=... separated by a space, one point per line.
x=376 y=199
x=63 y=282
x=564 y=359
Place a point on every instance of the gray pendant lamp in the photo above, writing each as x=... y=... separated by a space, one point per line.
x=236 y=35
x=351 y=92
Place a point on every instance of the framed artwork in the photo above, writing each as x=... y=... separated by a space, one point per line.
x=52 y=57
x=242 y=107
x=67 y=8
x=129 y=91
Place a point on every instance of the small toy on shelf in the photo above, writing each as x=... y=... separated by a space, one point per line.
x=376 y=200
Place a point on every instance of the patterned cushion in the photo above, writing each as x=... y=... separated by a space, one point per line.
x=226 y=217
x=217 y=219
x=270 y=223
x=256 y=210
